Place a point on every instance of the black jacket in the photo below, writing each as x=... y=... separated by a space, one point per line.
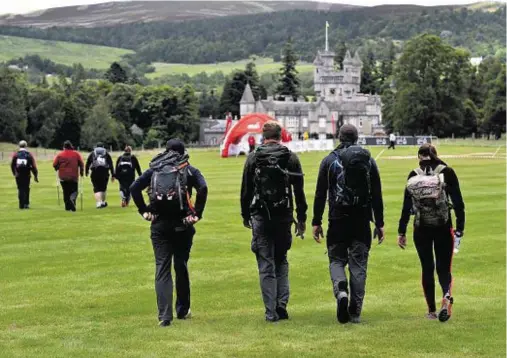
x=100 y=171
x=375 y=212
x=296 y=190
x=452 y=189
x=31 y=166
x=135 y=165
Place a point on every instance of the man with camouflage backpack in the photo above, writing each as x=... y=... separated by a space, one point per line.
x=349 y=177
x=100 y=163
x=271 y=177
x=432 y=191
x=171 y=179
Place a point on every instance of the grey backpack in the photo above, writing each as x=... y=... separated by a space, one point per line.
x=430 y=202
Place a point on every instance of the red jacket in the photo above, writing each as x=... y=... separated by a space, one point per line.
x=251 y=140
x=69 y=165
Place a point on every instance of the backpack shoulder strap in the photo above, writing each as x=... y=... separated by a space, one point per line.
x=419 y=171
x=439 y=169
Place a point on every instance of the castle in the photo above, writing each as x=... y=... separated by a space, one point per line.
x=337 y=101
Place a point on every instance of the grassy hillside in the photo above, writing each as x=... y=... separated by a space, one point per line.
x=263 y=65
x=90 y=56
x=81 y=284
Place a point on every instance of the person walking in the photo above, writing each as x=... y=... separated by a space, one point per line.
x=349 y=177
x=392 y=141
x=100 y=163
x=69 y=165
x=171 y=179
x=23 y=166
x=272 y=176
x=432 y=190
x=251 y=143
x=126 y=167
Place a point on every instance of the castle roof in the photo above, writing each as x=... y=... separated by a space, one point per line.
x=248 y=96
x=357 y=59
x=348 y=59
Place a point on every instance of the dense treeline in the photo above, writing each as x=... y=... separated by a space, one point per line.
x=238 y=37
x=46 y=66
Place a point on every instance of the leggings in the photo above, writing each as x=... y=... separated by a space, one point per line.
x=439 y=240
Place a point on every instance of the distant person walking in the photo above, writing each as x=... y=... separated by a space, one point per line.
x=272 y=176
x=392 y=141
x=100 y=163
x=431 y=189
x=126 y=167
x=70 y=166
x=171 y=179
x=251 y=143
x=23 y=166
x=349 y=177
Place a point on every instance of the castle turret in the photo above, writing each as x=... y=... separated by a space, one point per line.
x=247 y=102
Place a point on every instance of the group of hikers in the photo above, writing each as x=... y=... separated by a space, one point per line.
x=272 y=187
x=70 y=167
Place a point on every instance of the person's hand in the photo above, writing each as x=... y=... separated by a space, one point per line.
x=247 y=223
x=300 y=229
x=402 y=241
x=148 y=216
x=190 y=220
x=36 y=179
x=380 y=233
x=458 y=235
x=318 y=233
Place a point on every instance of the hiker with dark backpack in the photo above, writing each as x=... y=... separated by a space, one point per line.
x=22 y=166
x=350 y=179
x=171 y=180
x=126 y=167
x=432 y=191
x=100 y=163
x=272 y=176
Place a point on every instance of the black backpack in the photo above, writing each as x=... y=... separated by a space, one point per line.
x=168 y=190
x=271 y=178
x=125 y=166
x=22 y=161
x=351 y=171
x=100 y=158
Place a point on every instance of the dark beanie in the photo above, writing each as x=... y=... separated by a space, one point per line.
x=176 y=145
x=67 y=144
x=348 y=134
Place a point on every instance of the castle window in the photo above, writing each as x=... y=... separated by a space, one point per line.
x=340 y=92
x=332 y=91
x=322 y=122
x=360 y=123
x=346 y=70
x=355 y=79
x=353 y=90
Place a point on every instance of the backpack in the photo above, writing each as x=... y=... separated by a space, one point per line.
x=125 y=166
x=22 y=159
x=271 y=178
x=351 y=171
x=168 y=190
x=429 y=198
x=99 y=158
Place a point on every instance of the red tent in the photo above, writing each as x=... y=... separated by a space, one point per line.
x=251 y=123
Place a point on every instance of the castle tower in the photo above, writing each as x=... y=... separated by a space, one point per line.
x=247 y=102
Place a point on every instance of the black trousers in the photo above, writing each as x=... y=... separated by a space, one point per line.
x=441 y=242
x=70 y=194
x=391 y=145
x=270 y=243
x=252 y=148
x=349 y=243
x=170 y=243
x=99 y=182
x=125 y=184
x=23 y=183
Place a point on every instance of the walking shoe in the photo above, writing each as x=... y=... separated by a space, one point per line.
x=342 y=312
x=185 y=316
x=282 y=313
x=355 y=318
x=123 y=203
x=104 y=204
x=165 y=323
x=431 y=315
x=446 y=310
x=271 y=319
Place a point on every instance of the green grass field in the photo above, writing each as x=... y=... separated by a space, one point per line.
x=90 y=56
x=81 y=284
x=263 y=65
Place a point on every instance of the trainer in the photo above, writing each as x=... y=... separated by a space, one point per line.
x=22 y=166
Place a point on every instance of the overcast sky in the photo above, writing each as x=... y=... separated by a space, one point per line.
x=23 y=6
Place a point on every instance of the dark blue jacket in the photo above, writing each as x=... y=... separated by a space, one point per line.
x=326 y=181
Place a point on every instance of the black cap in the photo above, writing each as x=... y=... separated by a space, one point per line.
x=348 y=134
x=176 y=145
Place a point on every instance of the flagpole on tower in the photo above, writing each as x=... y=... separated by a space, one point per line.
x=327 y=42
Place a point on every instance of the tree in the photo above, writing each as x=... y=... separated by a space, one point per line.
x=116 y=74
x=289 y=84
x=13 y=93
x=232 y=93
x=369 y=74
x=45 y=114
x=208 y=104
x=253 y=79
x=120 y=102
x=341 y=50
x=386 y=67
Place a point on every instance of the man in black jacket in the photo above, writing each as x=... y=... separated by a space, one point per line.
x=171 y=236
x=349 y=234
x=270 y=216
x=100 y=163
x=22 y=165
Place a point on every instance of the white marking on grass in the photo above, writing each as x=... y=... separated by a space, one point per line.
x=497 y=150
x=381 y=152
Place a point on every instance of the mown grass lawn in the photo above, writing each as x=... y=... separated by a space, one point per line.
x=81 y=285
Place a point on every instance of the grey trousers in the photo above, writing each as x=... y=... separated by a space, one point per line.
x=270 y=243
x=348 y=243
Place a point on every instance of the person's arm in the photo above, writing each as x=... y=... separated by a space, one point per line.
x=406 y=210
x=247 y=187
x=198 y=182
x=13 y=164
x=110 y=164
x=322 y=187
x=89 y=163
x=56 y=162
x=117 y=163
x=377 y=203
x=454 y=192
x=136 y=165
x=33 y=168
x=298 y=185
x=80 y=164
x=136 y=190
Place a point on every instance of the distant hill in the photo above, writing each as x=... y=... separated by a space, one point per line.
x=114 y=13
